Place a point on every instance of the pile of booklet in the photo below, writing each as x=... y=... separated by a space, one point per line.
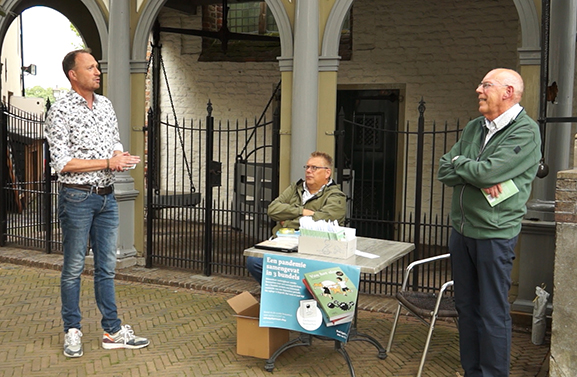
x=330 y=230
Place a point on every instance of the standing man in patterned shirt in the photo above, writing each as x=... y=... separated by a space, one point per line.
x=82 y=132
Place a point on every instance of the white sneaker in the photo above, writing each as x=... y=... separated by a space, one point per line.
x=124 y=338
x=73 y=343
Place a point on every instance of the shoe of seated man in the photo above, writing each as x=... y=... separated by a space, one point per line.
x=124 y=338
x=73 y=343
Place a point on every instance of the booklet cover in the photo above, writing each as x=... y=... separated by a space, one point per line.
x=346 y=318
x=287 y=303
x=509 y=189
x=335 y=293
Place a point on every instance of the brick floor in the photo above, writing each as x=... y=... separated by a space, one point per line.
x=193 y=333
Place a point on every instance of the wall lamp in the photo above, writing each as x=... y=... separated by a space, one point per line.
x=30 y=69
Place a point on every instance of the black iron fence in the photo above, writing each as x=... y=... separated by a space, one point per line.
x=208 y=187
x=389 y=176
x=392 y=194
x=27 y=188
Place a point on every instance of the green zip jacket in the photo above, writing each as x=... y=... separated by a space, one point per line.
x=513 y=153
x=287 y=209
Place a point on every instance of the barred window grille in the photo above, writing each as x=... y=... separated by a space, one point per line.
x=252 y=17
x=369 y=137
x=246 y=18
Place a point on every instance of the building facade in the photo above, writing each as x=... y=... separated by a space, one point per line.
x=415 y=49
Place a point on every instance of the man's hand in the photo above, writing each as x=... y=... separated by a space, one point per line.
x=494 y=191
x=308 y=212
x=122 y=161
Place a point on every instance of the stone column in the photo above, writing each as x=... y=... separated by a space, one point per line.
x=558 y=136
x=563 y=361
x=536 y=245
x=119 y=93
x=305 y=85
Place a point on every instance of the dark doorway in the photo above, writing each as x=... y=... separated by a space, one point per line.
x=370 y=154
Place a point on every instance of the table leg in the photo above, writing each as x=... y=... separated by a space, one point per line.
x=302 y=340
x=306 y=340
x=356 y=336
x=340 y=347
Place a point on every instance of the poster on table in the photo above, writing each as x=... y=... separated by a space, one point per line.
x=308 y=296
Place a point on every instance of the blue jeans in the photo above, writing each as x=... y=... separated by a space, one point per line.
x=482 y=275
x=254 y=267
x=82 y=215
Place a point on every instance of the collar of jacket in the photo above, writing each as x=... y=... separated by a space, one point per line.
x=300 y=183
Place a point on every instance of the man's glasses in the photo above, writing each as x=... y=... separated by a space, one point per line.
x=487 y=85
x=314 y=168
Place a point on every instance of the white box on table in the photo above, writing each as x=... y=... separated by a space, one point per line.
x=341 y=249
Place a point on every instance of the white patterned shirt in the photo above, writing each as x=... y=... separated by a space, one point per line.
x=73 y=130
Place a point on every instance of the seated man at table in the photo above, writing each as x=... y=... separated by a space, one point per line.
x=317 y=196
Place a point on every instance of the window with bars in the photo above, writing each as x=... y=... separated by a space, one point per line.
x=253 y=17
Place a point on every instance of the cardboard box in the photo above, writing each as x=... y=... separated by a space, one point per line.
x=327 y=248
x=252 y=340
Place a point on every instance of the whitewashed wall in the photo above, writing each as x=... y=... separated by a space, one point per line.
x=440 y=50
x=236 y=90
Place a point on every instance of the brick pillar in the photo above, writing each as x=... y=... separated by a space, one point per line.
x=563 y=360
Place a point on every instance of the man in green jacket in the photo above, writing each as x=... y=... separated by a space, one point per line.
x=496 y=152
x=317 y=196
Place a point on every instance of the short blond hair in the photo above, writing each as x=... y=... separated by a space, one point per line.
x=328 y=159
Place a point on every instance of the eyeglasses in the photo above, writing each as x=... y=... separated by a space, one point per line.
x=487 y=85
x=314 y=168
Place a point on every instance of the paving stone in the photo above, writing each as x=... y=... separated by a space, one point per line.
x=193 y=331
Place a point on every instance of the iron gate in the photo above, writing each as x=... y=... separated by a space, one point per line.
x=27 y=188
x=208 y=189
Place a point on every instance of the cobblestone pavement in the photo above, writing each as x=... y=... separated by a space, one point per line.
x=193 y=331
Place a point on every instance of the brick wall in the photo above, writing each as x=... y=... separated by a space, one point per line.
x=563 y=361
x=439 y=49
